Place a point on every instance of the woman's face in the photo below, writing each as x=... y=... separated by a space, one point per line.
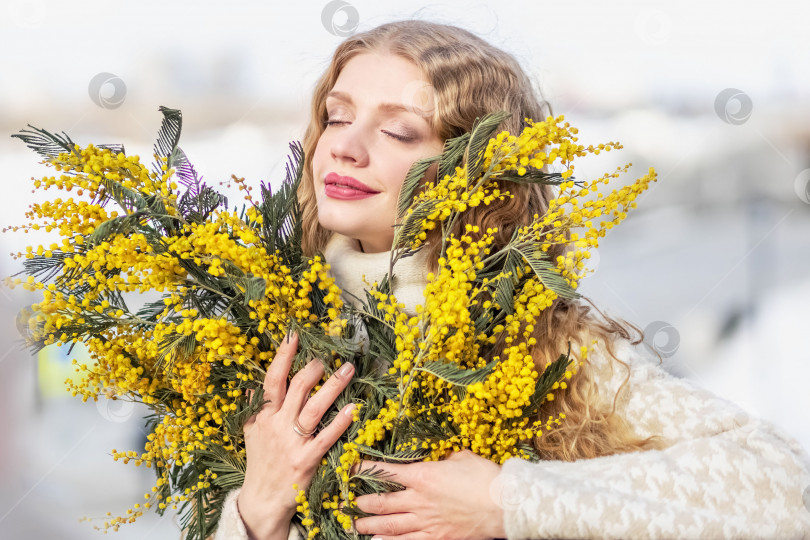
x=377 y=128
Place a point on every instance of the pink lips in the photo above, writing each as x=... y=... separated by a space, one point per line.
x=346 y=188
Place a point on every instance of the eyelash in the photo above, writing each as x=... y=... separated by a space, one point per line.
x=400 y=138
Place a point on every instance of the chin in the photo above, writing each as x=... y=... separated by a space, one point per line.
x=336 y=224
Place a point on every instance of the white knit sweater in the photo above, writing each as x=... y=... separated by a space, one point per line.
x=724 y=474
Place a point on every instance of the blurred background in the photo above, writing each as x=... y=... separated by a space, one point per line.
x=713 y=263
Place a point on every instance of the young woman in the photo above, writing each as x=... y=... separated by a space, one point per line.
x=642 y=454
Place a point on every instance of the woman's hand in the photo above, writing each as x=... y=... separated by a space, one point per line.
x=277 y=456
x=444 y=500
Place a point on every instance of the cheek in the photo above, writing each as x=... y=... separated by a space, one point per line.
x=316 y=164
x=396 y=173
x=319 y=156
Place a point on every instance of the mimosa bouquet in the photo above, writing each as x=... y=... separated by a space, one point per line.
x=232 y=283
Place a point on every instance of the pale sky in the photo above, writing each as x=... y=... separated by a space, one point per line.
x=605 y=53
x=243 y=71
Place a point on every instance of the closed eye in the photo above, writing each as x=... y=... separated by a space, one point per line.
x=401 y=138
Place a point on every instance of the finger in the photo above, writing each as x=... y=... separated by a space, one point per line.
x=250 y=393
x=298 y=392
x=313 y=409
x=275 y=380
x=329 y=435
x=418 y=535
x=464 y=453
x=404 y=474
x=386 y=503
x=391 y=525
x=391 y=468
x=357 y=467
x=252 y=419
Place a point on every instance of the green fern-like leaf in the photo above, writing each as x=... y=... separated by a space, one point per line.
x=482 y=131
x=281 y=213
x=125 y=225
x=453 y=155
x=454 y=374
x=553 y=373
x=46 y=144
x=506 y=283
x=415 y=174
x=406 y=232
x=402 y=456
x=547 y=273
x=254 y=288
x=127 y=198
x=378 y=479
x=533 y=176
x=168 y=136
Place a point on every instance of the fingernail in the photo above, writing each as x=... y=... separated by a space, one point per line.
x=350 y=409
x=346 y=368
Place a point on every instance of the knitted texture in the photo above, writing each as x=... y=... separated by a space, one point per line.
x=355 y=271
x=723 y=474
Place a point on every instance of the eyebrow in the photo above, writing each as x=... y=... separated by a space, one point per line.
x=385 y=107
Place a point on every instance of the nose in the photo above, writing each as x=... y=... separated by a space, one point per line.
x=350 y=142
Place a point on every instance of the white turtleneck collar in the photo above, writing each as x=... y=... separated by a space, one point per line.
x=355 y=271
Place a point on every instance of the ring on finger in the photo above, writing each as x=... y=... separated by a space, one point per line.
x=301 y=431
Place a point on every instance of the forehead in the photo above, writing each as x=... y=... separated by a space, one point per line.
x=388 y=83
x=374 y=75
